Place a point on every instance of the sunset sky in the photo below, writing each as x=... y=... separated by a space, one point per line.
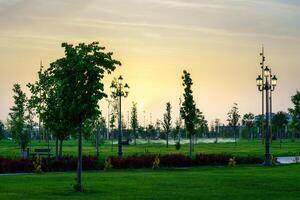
x=217 y=41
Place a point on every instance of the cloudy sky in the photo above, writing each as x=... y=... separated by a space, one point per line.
x=217 y=41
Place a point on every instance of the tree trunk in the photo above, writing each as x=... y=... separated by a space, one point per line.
x=79 y=160
x=167 y=139
x=56 y=148
x=235 y=136
x=60 y=149
x=191 y=145
x=134 y=137
x=97 y=143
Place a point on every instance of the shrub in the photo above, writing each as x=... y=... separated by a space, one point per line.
x=156 y=163
x=175 y=160
x=211 y=159
x=232 y=162
x=15 y=165
x=134 y=161
x=38 y=165
x=108 y=165
x=249 y=160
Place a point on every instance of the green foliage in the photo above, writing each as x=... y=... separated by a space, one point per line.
x=295 y=111
x=249 y=121
x=2 y=130
x=80 y=73
x=201 y=125
x=188 y=108
x=17 y=118
x=134 y=120
x=233 y=116
x=279 y=120
x=167 y=121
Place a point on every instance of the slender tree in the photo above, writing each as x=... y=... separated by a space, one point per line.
x=2 y=130
x=167 y=121
x=18 y=119
x=279 y=120
x=188 y=108
x=217 y=127
x=134 y=120
x=47 y=103
x=233 y=119
x=79 y=76
x=248 y=121
x=295 y=111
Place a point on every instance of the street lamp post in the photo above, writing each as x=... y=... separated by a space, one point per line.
x=120 y=90
x=266 y=84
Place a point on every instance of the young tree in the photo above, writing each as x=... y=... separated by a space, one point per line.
x=188 y=108
x=248 y=121
x=295 y=124
x=134 y=120
x=200 y=123
x=217 y=127
x=279 y=120
x=92 y=128
x=17 y=119
x=233 y=119
x=47 y=103
x=2 y=130
x=167 y=121
x=79 y=76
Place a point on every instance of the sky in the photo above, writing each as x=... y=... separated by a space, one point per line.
x=217 y=41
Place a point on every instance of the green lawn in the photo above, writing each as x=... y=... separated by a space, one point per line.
x=243 y=148
x=241 y=182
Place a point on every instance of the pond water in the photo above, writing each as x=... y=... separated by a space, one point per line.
x=288 y=159
x=182 y=141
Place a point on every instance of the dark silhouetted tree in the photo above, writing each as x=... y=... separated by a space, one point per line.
x=295 y=111
x=248 y=121
x=188 y=108
x=167 y=122
x=79 y=77
x=134 y=121
x=233 y=119
x=17 y=119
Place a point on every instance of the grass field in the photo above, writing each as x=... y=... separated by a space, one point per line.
x=244 y=148
x=241 y=182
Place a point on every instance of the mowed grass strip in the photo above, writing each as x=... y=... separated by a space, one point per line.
x=243 y=148
x=241 y=182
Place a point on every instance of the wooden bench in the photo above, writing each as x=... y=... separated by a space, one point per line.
x=41 y=152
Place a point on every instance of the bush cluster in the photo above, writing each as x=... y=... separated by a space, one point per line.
x=69 y=163
x=179 y=160
x=8 y=165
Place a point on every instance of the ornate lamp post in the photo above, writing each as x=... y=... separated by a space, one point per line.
x=266 y=84
x=119 y=90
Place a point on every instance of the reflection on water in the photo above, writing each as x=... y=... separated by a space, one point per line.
x=288 y=159
x=182 y=141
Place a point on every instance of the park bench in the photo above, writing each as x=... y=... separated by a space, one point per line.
x=41 y=152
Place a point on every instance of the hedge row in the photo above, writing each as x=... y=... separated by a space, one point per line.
x=69 y=163
x=179 y=160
